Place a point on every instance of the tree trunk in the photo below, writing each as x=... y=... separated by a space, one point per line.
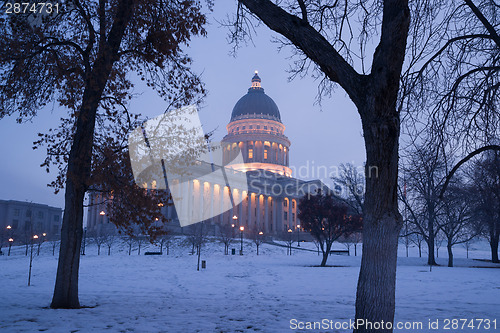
x=430 y=240
x=420 y=250
x=375 y=297
x=79 y=162
x=98 y=249
x=450 y=255
x=326 y=253
x=494 y=249
x=109 y=250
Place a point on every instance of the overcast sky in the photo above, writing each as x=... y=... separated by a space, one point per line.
x=324 y=135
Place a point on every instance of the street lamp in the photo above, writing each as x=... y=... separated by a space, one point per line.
x=235 y=220
x=298 y=235
x=11 y=240
x=242 y=228
x=102 y=213
x=31 y=260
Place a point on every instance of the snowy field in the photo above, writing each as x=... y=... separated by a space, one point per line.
x=247 y=293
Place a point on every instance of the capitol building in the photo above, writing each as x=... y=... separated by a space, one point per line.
x=269 y=200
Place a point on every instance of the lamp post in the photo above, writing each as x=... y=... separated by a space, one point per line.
x=290 y=241
x=9 y=233
x=31 y=259
x=235 y=220
x=242 y=228
x=11 y=240
x=298 y=235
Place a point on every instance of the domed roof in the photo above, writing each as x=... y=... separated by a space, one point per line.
x=255 y=104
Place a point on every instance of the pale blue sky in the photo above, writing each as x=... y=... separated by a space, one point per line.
x=320 y=136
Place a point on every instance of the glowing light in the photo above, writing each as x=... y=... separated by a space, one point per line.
x=242 y=228
x=289 y=230
x=102 y=213
x=9 y=227
x=256 y=72
x=261 y=233
x=35 y=237
x=11 y=240
x=235 y=217
x=44 y=234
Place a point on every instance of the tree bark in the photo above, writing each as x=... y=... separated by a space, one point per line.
x=375 y=298
x=494 y=249
x=79 y=163
x=450 y=255
x=430 y=239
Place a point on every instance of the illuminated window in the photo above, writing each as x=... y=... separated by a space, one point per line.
x=285 y=203
x=265 y=154
x=250 y=153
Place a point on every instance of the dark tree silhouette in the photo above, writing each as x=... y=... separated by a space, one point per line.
x=80 y=58
x=326 y=220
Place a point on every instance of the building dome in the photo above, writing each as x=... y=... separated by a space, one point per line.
x=256 y=104
x=256 y=131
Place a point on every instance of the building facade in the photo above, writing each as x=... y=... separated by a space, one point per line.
x=269 y=200
x=27 y=217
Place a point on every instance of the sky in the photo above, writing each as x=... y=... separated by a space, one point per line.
x=322 y=137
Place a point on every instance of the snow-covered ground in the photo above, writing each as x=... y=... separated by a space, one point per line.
x=247 y=293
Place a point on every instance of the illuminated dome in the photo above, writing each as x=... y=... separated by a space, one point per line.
x=257 y=132
x=256 y=104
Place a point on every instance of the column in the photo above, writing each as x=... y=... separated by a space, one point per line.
x=257 y=205
x=266 y=214
x=249 y=221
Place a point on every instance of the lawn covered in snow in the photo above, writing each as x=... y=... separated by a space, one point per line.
x=246 y=293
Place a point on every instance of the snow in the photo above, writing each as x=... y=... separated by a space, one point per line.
x=246 y=293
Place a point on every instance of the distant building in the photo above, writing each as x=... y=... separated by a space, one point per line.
x=271 y=202
x=27 y=216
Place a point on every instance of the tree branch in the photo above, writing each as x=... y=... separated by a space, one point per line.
x=312 y=43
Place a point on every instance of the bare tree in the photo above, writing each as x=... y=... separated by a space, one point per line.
x=438 y=240
x=352 y=181
x=98 y=239
x=317 y=32
x=130 y=241
x=485 y=179
x=197 y=236
x=257 y=237
x=109 y=236
x=226 y=236
x=288 y=237
x=165 y=241
x=456 y=224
